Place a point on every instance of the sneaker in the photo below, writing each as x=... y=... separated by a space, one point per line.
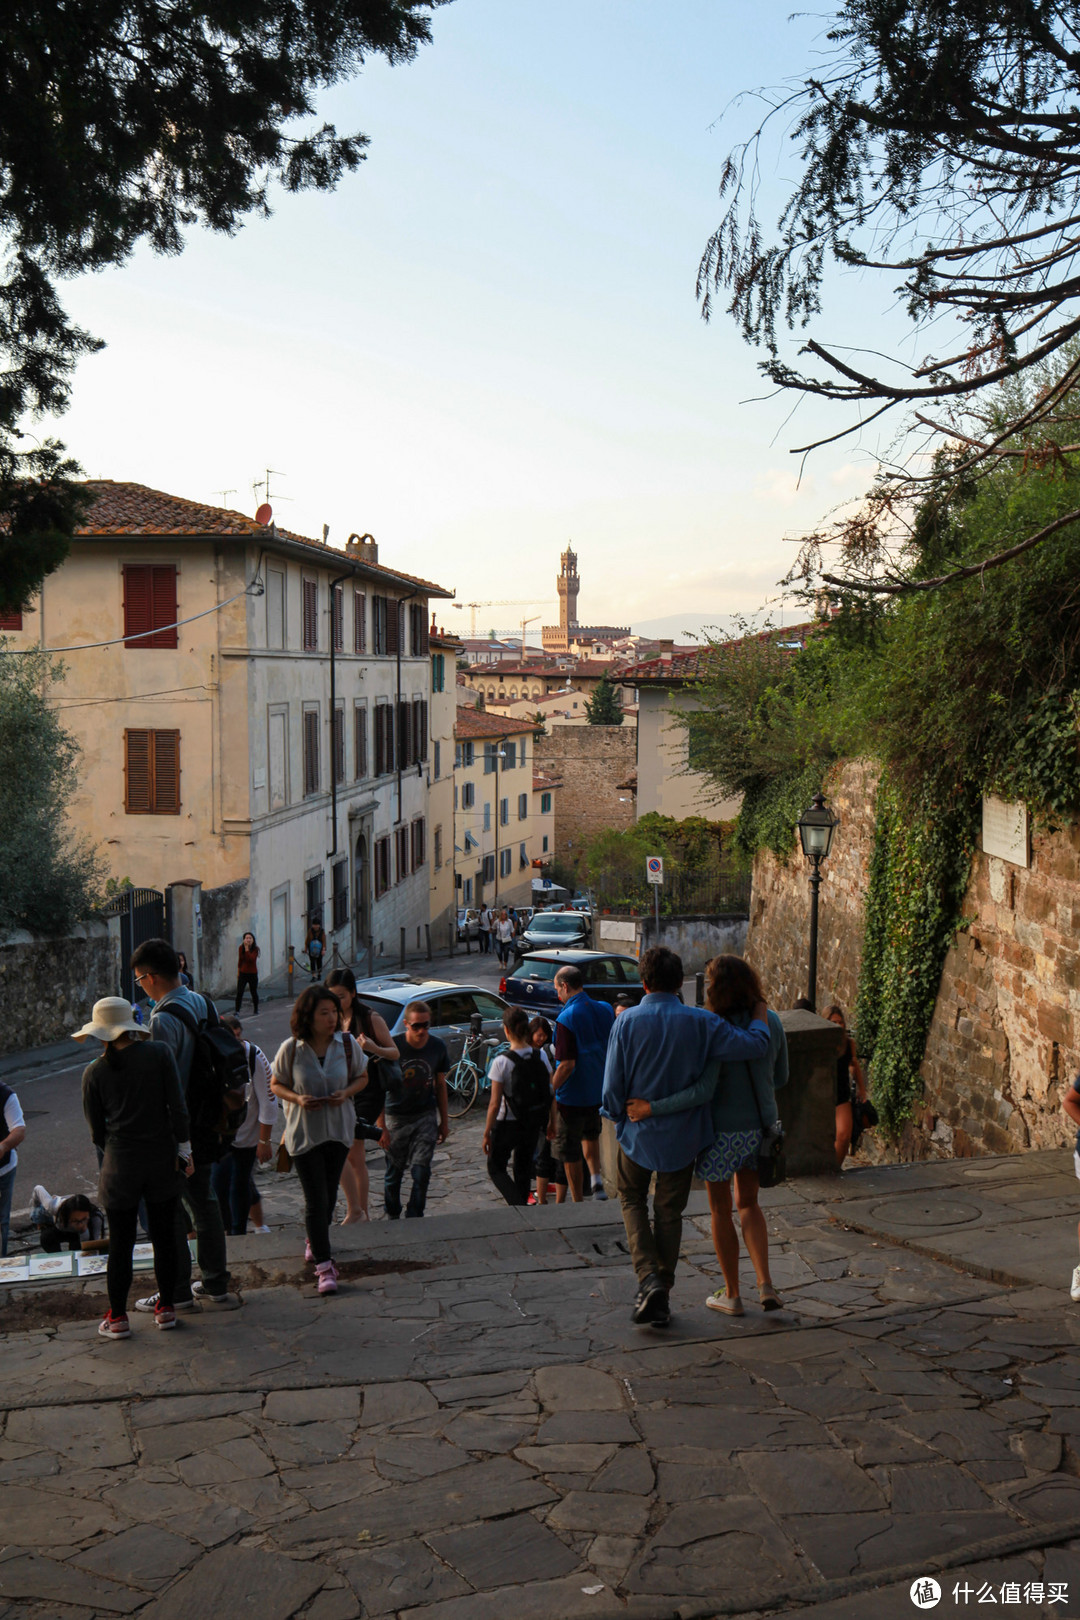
x=326 y=1271
x=1074 y=1291
x=651 y=1297
x=730 y=1306
x=114 y=1327
x=598 y=1191
x=220 y=1302
x=152 y=1302
x=531 y=1198
x=261 y=1231
x=165 y=1317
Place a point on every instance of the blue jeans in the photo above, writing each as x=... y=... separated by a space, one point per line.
x=412 y=1142
x=231 y=1180
x=7 y=1187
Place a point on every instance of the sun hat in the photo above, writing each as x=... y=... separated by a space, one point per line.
x=111 y=1017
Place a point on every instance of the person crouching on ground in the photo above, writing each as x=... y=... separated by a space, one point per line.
x=656 y=1049
x=316 y=1074
x=519 y=1111
x=135 y=1108
x=742 y=1100
x=72 y=1221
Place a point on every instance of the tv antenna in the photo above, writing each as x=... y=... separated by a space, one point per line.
x=225 y=493
x=263 y=484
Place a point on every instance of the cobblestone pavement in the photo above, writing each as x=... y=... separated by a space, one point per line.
x=490 y=1435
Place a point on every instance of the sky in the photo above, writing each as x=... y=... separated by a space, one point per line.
x=485 y=343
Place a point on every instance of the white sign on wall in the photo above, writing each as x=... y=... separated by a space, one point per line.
x=1005 y=830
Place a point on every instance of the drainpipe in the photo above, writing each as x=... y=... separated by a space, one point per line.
x=334 y=583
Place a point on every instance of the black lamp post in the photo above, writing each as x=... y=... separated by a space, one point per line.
x=816 y=829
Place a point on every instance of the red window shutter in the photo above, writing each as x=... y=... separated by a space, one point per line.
x=166 y=761
x=164 y=608
x=10 y=621
x=137 y=772
x=150 y=610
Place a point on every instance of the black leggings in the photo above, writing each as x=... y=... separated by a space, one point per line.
x=509 y=1140
x=123 y=1225
x=247 y=981
x=319 y=1171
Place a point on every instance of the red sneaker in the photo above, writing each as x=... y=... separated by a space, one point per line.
x=165 y=1317
x=531 y=1198
x=115 y=1327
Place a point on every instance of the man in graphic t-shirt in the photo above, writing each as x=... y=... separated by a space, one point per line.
x=415 y=1115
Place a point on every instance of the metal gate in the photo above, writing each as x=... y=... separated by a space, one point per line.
x=142 y=916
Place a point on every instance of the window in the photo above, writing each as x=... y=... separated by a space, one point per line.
x=360 y=741
x=384 y=739
x=419 y=730
x=275 y=608
x=310 y=592
x=314 y=897
x=466 y=891
x=545 y=804
x=464 y=754
x=150 y=612
x=337 y=617
x=278 y=749
x=13 y=621
x=395 y=614
x=523 y=807
x=379 y=617
x=545 y=848
x=152 y=773
x=436 y=760
x=487 y=818
x=382 y=866
x=311 y=751
x=339 y=743
x=506 y=862
x=418 y=834
x=418 y=630
x=504 y=812
x=401 y=854
x=470 y=843
x=468 y=795
x=509 y=754
x=359 y=622
x=489 y=868
x=438 y=673
x=523 y=855
x=489 y=758
x=340 y=874
x=406 y=749
x=436 y=848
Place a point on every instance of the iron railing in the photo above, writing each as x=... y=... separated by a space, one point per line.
x=715 y=892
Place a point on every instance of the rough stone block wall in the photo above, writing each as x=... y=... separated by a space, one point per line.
x=224 y=919
x=48 y=986
x=589 y=761
x=1004 y=1042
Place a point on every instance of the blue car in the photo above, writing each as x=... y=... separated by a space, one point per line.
x=531 y=984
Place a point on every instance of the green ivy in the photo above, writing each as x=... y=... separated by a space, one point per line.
x=919 y=870
x=770 y=809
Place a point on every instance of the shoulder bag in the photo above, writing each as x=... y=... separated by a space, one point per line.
x=772 y=1163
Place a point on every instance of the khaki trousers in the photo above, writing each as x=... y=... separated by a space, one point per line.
x=654 y=1247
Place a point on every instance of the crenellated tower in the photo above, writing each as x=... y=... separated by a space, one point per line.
x=568 y=587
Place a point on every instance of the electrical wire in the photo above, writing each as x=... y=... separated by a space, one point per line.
x=254 y=589
x=130 y=697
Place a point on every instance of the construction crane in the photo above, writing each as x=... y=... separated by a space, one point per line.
x=507 y=602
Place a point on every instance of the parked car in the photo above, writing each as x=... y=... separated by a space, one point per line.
x=556 y=930
x=531 y=984
x=452 y=1006
x=468 y=923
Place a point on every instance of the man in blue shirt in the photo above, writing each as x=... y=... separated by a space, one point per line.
x=581 y=1037
x=656 y=1049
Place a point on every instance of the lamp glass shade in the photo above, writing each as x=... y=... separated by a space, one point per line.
x=816 y=829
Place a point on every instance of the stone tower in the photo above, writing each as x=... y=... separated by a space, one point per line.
x=569 y=585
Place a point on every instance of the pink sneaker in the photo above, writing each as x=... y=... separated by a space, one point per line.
x=115 y=1327
x=326 y=1271
x=308 y=1256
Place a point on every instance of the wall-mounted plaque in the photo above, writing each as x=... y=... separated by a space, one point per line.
x=1005 y=830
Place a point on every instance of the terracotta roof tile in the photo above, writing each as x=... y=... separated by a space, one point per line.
x=475 y=723
x=542 y=782
x=690 y=663
x=130 y=509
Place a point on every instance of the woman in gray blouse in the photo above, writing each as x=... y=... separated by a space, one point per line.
x=316 y=1074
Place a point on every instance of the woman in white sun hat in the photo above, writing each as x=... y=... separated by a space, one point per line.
x=134 y=1105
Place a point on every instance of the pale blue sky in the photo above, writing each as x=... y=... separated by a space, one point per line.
x=486 y=341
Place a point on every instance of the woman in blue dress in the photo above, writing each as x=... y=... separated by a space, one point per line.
x=743 y=1099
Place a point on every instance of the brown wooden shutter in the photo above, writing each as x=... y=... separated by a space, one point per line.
x=10 y=621
x=166 y=793
x=150 y=608
x=311 y=615
x=394 y=611
x=359 y=622
x=337 y=618
x=137 y=747
x=311 y=751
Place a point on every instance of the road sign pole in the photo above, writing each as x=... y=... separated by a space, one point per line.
x=656 y=905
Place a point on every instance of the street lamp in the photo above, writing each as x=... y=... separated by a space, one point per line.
x=817 y=827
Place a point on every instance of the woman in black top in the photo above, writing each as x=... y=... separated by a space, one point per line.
x=134 y=1105
x=849 y=1084
x=365 y=1026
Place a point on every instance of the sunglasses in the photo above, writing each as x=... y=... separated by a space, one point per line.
x=419 y=1026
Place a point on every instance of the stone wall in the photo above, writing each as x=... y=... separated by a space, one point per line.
x=48 y=986
x=1004 y=1042
x=590 y=762
x=695 y=939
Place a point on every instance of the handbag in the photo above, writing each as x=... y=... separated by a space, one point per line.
x=772 y=1161
x=283 y=1162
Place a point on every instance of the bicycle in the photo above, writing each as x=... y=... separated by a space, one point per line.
x=466 y=1079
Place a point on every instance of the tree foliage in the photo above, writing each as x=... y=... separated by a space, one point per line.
x=131 y=122
x=604 y=708
x=939 y=148
x=48 y=880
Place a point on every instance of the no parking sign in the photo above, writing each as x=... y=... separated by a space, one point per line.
x=654 y=868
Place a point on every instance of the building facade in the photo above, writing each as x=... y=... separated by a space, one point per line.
x=494 y=844
x=443 y=904
x=253 y=713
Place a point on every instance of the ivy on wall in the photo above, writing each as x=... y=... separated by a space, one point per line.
x=919 y=870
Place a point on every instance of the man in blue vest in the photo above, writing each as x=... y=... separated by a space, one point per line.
x=581 y=1037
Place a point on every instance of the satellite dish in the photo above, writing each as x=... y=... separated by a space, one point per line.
x=264 y=514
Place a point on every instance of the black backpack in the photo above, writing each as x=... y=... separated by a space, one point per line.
x=218 y=1084
x=528 y=1090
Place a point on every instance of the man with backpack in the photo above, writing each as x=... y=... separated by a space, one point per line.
x=213 y=1073
x=519 y=1110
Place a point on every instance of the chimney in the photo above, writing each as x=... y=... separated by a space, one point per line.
x=667 y=648
x=362 y=548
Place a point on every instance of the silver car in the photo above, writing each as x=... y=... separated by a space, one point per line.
x=452 y=1006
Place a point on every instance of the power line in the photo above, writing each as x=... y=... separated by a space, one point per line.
x=132 y=697
x=254 y=589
